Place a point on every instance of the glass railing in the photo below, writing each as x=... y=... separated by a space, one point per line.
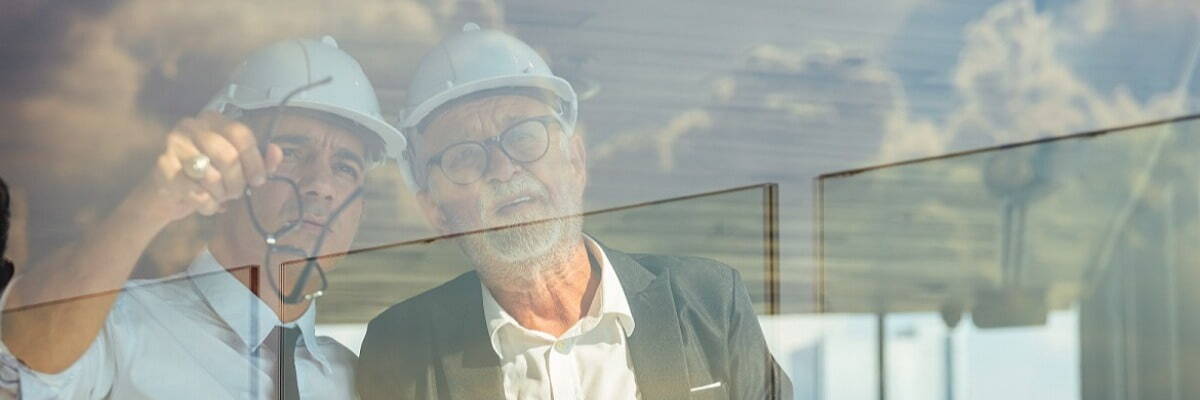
x=1057 y=263
x=921 y=200
x=735 y=226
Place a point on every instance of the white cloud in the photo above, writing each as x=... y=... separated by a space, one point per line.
x=87 y=114
x=78 y=120
x=1016 y=85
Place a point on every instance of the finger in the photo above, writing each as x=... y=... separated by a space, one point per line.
x=189 y=126
x=168 y=177
x=168 y=167
x=171 y=176
x=242 y=139
x=274 y=157
x=204 y=203
x=185 y=150
x=213 y=182
x=226 y=160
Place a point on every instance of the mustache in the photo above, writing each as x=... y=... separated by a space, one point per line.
x=520 y=185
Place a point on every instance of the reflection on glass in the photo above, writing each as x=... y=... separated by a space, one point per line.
x=1025 y=245
x=732 y=226
x=1002 y=238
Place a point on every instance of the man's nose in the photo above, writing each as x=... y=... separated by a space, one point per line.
x=500 y=167
x=317 y=183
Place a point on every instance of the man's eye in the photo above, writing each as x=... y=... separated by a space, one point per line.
x=463 y=156
x=455 y=160
x=290 y=153
x=348 y=170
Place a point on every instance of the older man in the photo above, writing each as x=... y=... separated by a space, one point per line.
x=548 y=312
x=279 y=158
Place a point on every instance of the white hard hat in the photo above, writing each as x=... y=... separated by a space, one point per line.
x=269 y=74
x=476 y=60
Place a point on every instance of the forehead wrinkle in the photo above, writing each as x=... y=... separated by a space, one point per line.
x=474 y=117
x=501 y=111
x=319 y=135
x=490 y=114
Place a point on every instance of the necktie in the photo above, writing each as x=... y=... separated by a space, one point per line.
x=286 y=338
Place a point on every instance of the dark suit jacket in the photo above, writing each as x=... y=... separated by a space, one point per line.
x=694 y=325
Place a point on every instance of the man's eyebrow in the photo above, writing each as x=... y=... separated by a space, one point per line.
x=507 y=120
x=344 y=153
x=341 y=153
x=510 y=120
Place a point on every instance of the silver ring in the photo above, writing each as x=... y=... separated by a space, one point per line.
x=197 y=167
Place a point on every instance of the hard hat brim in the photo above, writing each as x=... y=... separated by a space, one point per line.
x=559 y=86
x=392 y=138
x=396 y=144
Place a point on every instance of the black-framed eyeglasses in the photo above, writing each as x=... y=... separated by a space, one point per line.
x=271 y=238
x=465 y=162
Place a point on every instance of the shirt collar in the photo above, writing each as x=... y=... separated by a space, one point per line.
x=243 y=312
x=610 y=300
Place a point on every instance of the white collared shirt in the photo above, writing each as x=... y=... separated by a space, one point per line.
x=589 y=361
x=195 y=335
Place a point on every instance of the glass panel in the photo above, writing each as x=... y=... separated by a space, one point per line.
x=859 y=280
x=1045 y=215
x=732 y=226
x=1001 y=238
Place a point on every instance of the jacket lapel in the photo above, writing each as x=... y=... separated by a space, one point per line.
x=474 y=371
x=656 y=345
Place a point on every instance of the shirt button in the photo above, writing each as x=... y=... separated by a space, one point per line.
x=561 y=347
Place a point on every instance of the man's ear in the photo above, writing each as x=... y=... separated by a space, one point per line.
x=433 y=214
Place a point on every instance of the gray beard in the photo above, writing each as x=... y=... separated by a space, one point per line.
x=528 y=242
x=516 y=255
